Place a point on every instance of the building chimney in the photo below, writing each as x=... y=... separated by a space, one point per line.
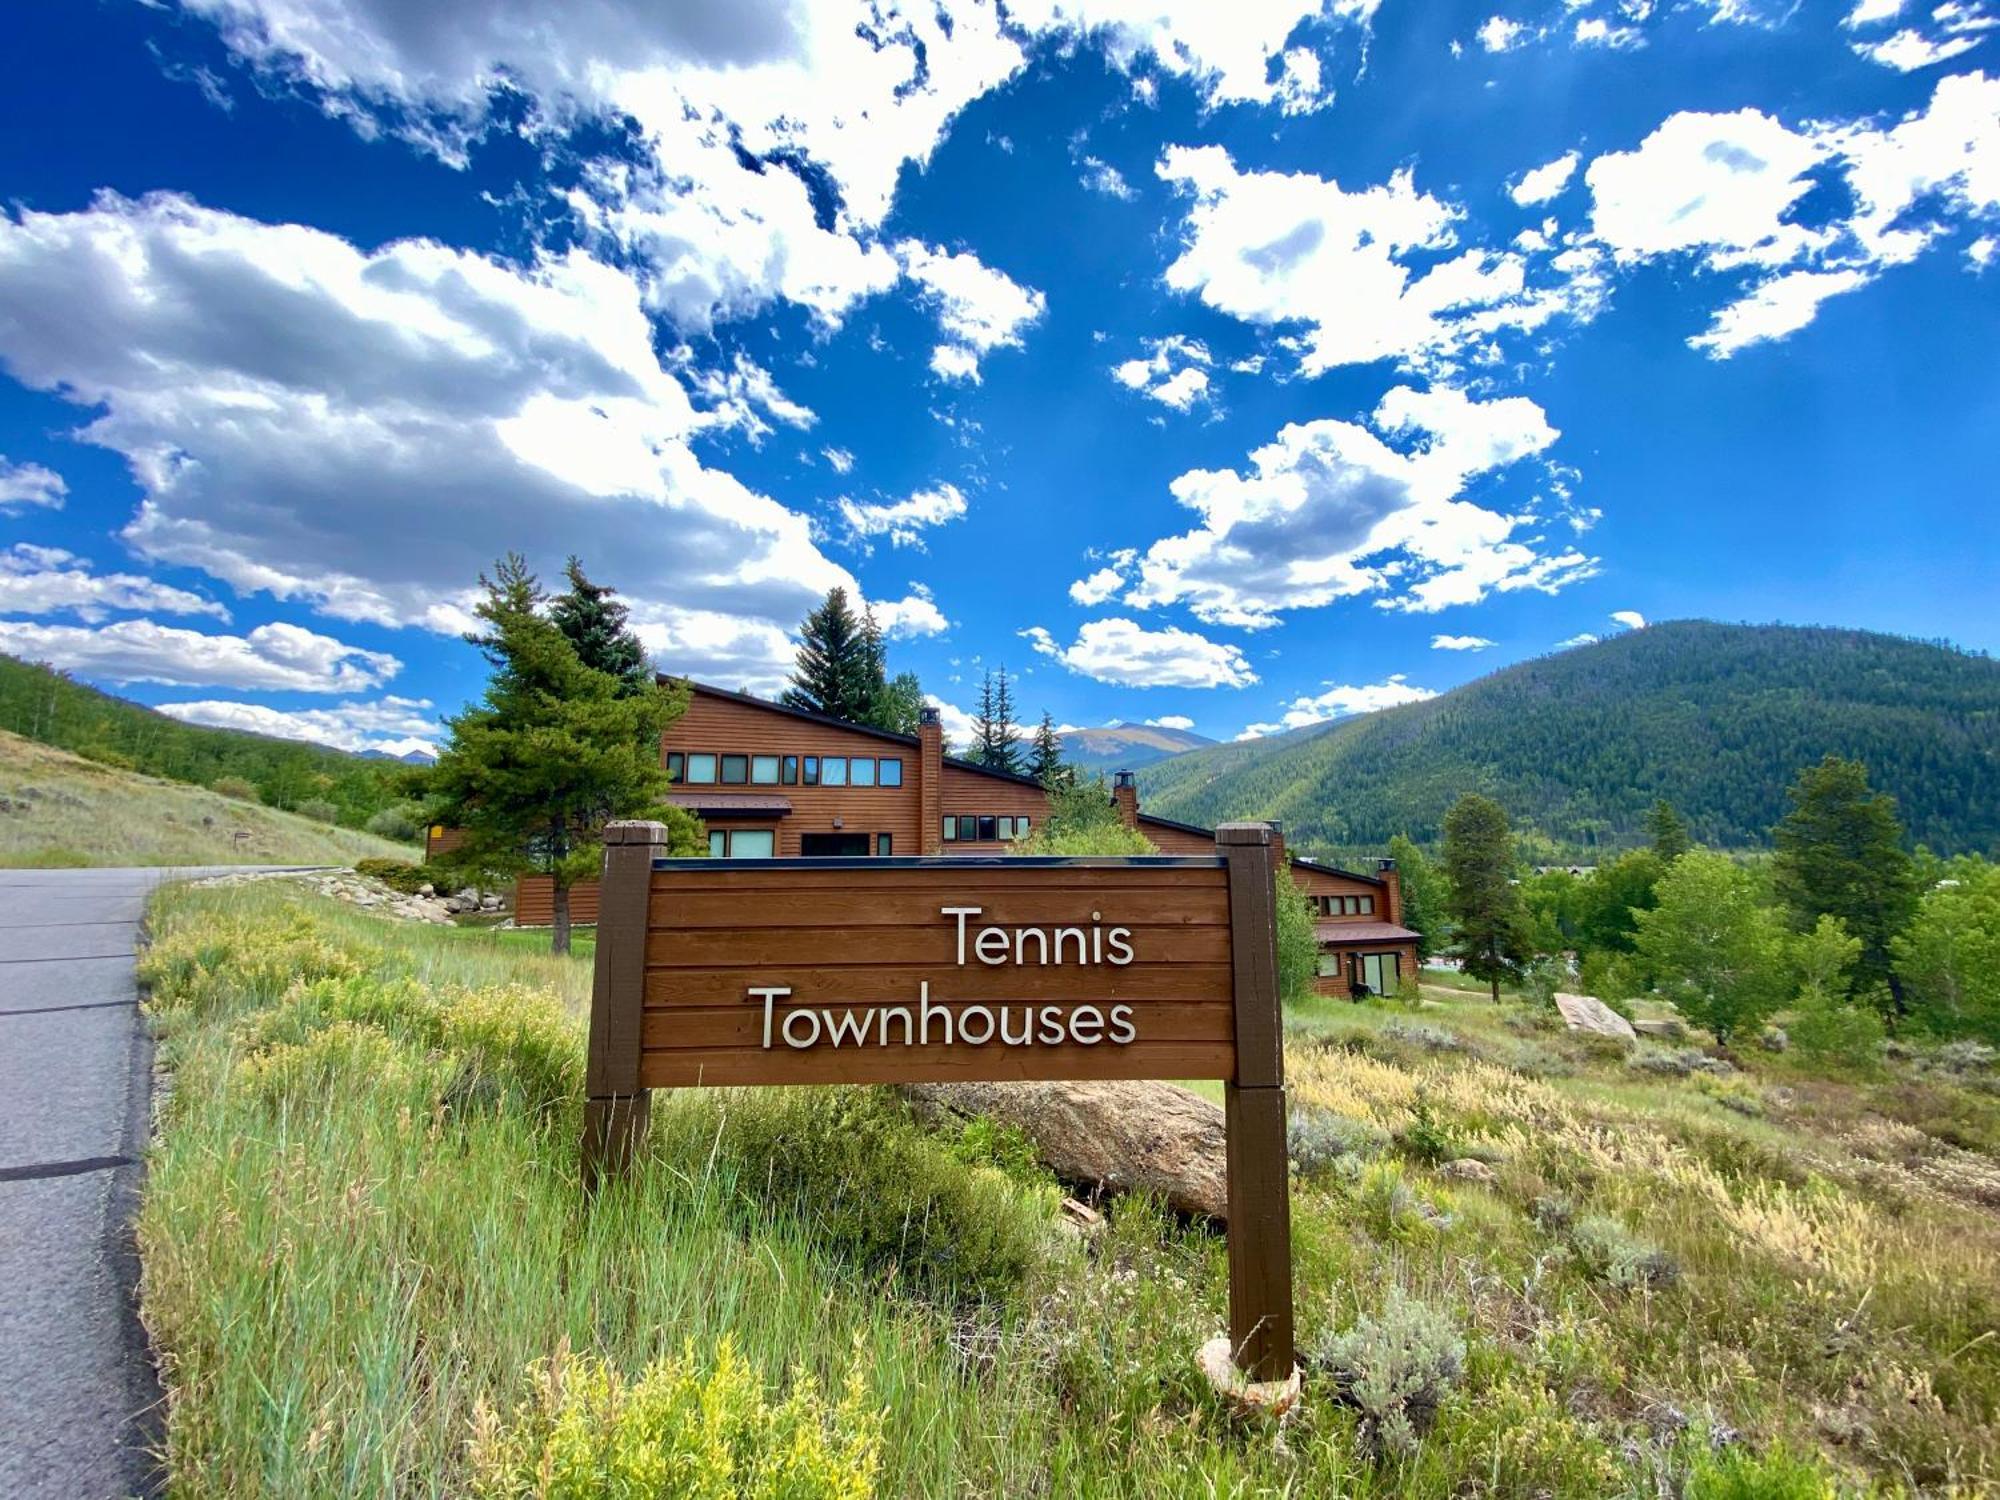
x=930 y=782
x=1125 y=792
x=1392 y=889
x=1281 y=860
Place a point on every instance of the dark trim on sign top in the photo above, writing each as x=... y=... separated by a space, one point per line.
x=954 y=862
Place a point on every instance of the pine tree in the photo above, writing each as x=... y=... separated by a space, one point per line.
x=1000 y=747
x=1668 y=831
x=1493 y=939
x=593 y=620
x=982 y=724
x=553 y=751
x=1425 y=898
x=1840 y=853
x=1045 y=757
x=837 y=661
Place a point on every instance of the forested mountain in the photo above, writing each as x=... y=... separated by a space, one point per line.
x=1715 y=718
x=40 y=704
x=1126 y=747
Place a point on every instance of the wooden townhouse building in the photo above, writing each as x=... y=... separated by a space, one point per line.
x=767 y=781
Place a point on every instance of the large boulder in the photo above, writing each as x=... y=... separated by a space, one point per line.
x=1114 y=1137
x=1583 y=1013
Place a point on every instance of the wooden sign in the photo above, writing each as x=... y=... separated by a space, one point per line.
x=957 y=968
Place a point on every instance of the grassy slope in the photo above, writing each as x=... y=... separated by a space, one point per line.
x=1716 y=718
x=356 y=1243
x=58 y=809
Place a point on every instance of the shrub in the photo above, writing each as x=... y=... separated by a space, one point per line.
x=515 y=1040
x=1829 y=1028
x=1732 y=1474
x=1610 y=1253
x=984 y=1142
x=1425 y=1138
x=319 y=810
x=855 y=1168
x=403 y=822
x=1425 y=1038
x=234 y=786
x=1395 y=1368
x=228 y=960
x=584 y=1431
x=1298 y=943
x=397 y=874
x=327 y=1061
x=1322 y=1142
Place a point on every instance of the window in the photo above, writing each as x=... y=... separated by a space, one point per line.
x=752 y=843
x=862 y=769
x=735 y=769
x=892 y=771
x=764 y=770
x=833 y=771
x=1004 y=828
x=701 y=768
x=1329 y=965
x=718 y=843
x=790 y=774
x=1021 y=828
x=812 y=770
x=951 y=830
x=676 y=766
x=968 y=828
x=1381 y=972
x=989 y=829
x=1367 y=905
x=882 y=844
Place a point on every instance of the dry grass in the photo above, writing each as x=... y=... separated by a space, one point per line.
x=58 y=810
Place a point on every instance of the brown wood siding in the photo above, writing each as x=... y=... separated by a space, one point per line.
x=970 y=794
x=535 y=902
x=844 y=942
x=439 y=840
x=1341 y=986
x=1176 y=840
x=723 y=726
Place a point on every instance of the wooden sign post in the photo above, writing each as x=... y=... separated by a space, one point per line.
x=957 y=968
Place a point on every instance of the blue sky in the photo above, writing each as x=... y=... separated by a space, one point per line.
x=1238 y=365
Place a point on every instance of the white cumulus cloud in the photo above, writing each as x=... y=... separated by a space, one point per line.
x=1459 y=643
x=1542 y=183
x=1172 y=721
x=1173 y=371
x=1631 y=619
x=904 y=521
x=392 y=725
x=978 y=308
x=275 y=657
x=1124 y=652
x=1342 y=701
x=48 y=580
x=30 y=484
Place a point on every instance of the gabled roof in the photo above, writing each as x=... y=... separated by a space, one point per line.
x=1362 y=932
x=1313 y=864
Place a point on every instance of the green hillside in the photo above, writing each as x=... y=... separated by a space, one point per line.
x=1716 y=718
x=40 y=704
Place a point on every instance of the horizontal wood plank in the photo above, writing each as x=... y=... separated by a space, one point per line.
x=934 y=943
x=742 y=1025
x=1207 y=983
x=973 y=879
x=848 y=906
x=688 y=1068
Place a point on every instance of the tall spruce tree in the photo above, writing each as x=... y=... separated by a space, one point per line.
x=982 y=722
x=839 y=662
x=995 y=742
x=555 y=749
x=1667 y=830
x=1493 y=938
x=1045 y=757
x=1840 y=854
x=591 y=618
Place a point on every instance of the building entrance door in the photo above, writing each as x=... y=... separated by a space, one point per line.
x=831 y=845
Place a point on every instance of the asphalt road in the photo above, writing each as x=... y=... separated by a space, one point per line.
x=77 y=1393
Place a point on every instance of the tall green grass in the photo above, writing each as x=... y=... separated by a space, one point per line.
x=369 y=1269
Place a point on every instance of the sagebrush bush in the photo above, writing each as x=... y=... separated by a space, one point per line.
x=1322 y=1142
x=397 y=874
x=234 y=786
x=319 y=810
x=1833 y=1030
x=859 y=1173
x=1612 y=1254
x=585 y=1432
x=1395 y=1367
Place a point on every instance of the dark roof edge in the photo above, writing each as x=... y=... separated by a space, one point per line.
x=1325 y=869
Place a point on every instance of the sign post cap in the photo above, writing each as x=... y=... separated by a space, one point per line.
x=1243 y=833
